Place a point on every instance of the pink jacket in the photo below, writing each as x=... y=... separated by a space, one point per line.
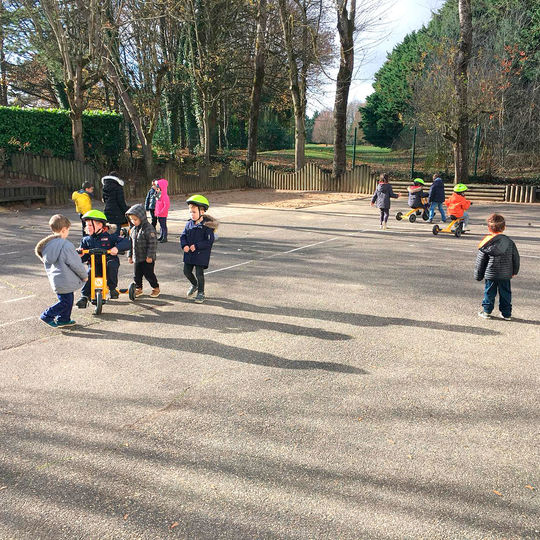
x=163 y=203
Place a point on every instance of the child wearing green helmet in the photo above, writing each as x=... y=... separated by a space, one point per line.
x=458 y=205
x=196 y=241
x=416 y=194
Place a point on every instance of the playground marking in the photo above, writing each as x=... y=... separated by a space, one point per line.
x=9 y=253
x=15 y=322
x=17 y=299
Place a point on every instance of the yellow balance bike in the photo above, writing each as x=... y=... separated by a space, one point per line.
x=413 y=212
x=99 y=289
x=455 y=227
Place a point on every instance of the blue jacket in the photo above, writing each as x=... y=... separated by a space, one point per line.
x=105 y=240
x=62 y=263
x=436 y=191
x=202 y=236
x=150 y=201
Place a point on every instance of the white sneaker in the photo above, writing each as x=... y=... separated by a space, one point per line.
x=484 y=315
x=506 y=318
x=385 y=226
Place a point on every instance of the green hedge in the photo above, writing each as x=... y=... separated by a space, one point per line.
x=48 y=131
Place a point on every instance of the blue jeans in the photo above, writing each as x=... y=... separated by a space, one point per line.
x=438 y=205
x=61 y=311
x=505 y=296
x=113 y=264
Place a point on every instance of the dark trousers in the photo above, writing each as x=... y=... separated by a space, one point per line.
x=199 y=272
x=147 y=270
x=112 y=275
x=505 y=296
x=154 y=218
x=385 y=212
x=61 y=311
x=83 y=223
x=162 y=227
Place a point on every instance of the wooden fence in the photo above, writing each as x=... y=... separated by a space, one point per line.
x=62 y=177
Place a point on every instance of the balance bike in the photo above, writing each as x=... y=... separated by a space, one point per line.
x=98 y=284
x=455 y=227
x=413 y=212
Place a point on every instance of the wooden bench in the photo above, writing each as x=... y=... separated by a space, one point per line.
x=23 y=193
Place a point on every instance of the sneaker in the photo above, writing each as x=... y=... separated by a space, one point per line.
x=154 y=293
x=381 y=226
x=113 y=294
x=82 y=302
x=49 y=322
x=138 y=292
x=162 y=240
x=61 y=324
x=506 y=318
x=200 y=298
x=385 y=226
x=192 y=291
x=484 y=315
x=430 y=221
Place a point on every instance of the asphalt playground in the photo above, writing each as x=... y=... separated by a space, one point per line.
x=337 y=384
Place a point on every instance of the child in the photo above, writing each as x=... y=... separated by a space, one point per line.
x=416 y=194
x=436 y=198
x=83 y=200
x=65 y=270
x=101 y=235
x=498 y=262
x=150 y=203
x=458 y=205
x=196 y=241
x=142 y=251
x=382 y=196
x=115 y=202
x=162 y=207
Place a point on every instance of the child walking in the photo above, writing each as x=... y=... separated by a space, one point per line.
x=162 y=207
x=150 y=203
x=64 y=269
x=83 y=201
x=498 y=262
x=196 y=242
x=142 y=252
x=381 y=198
x=436 y=198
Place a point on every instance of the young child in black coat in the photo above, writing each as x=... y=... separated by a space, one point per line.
x=381 y=199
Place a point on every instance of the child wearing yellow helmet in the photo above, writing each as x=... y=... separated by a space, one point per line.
x=196 y=241
x=458 y=205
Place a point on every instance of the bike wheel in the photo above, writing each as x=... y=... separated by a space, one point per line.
x=99 y=303
x=436 y=229
x=412 y=218
x=399 y=216
x=131 y=292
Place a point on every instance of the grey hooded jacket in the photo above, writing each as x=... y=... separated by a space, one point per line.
x=62 y=263
x=143 y=236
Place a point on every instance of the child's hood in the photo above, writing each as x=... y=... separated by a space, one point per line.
x=495 y=244
x=385 y=188
x=163 y=185
x=210 y=222
x=138 y=211
x=113 y=179
x=49 y=249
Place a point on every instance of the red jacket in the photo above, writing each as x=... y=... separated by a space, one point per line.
x=457 y=204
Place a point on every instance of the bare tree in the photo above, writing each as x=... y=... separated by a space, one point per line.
x=323 y=128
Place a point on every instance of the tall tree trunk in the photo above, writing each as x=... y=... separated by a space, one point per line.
x=258 y=80
x=77 y=135
x=192 y=134
x=461 y=152
x=209 y=118
x=345 y=27
x=74 y=91
x=3 y=66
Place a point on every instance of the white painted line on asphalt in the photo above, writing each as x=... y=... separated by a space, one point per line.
x=303 y=247
x=10 y=253
x=20 y=320
x=17 y=299
x=229 y=267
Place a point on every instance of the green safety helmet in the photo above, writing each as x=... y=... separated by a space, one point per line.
x=199 y=200
x=419 y=181
x=95 y=215
x=460 y=188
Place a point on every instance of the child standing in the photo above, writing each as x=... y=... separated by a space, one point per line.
x=150 y=203
x=436 y=198
x=196 y=241
x=381 y=197
x=498 y=262
x=102 y=236
x=142 y=252
x=458 y=205
x=162 y=207
x=83 y=201
x=65 y=270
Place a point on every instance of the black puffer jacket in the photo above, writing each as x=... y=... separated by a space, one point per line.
x=497 y=258
x=143 y=236
x=113 y=197
x=416 y=194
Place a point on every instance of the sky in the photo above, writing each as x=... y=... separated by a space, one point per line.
x=401 y=18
